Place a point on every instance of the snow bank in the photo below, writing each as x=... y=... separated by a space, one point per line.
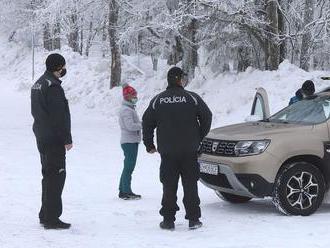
x=229 y=95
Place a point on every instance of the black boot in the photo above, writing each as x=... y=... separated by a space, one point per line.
x=56 y=224
x=133 y=196
x=129 y=196
x=195 y=224
x=41 y=221
x=167 y=225
x=123 y=196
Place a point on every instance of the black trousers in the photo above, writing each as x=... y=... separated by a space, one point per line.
x=172 y=167
x=53 y=172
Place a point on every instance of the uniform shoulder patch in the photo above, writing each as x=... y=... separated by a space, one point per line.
x=36 y=86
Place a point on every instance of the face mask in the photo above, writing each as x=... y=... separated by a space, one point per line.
x=134 y=100
x=184 y=82
x=63 y=72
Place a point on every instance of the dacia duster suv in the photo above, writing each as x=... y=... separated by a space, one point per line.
x=285 y=156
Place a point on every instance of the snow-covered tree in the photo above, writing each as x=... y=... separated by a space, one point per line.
x=219 y=34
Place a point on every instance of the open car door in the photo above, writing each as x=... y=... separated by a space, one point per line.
x=260 y=107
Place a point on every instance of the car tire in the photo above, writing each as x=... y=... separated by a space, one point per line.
x=232 y=198
x=299 y=189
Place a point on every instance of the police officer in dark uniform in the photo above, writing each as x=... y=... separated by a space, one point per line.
x=52 y=128
x=182 y=120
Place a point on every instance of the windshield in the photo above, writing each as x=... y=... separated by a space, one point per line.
x=309 y=111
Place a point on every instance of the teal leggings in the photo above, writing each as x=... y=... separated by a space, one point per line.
x=130 y=153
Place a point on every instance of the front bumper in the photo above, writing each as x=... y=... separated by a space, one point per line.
x=243 y=184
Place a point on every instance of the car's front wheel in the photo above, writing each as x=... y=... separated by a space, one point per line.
x=232 y=198
x=299 y=189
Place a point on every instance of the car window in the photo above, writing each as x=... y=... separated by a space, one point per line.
x=258 y=108
x=309 y=111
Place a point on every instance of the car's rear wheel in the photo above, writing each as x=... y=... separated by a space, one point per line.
x=232 y=198
x=299 y=189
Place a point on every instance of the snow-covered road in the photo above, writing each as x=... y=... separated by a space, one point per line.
x=99 y=219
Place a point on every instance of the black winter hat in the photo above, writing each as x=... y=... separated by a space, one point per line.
x=174 y=75
x=299 y=94
x=308 y=88
x=55 y=62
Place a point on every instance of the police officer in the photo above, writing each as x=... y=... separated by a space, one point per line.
x=182 y=120
x=52 y=128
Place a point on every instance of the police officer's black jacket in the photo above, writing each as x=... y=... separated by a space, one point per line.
x=50 y=110
x=182 y=120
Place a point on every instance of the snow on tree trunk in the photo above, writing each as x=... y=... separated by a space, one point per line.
x=114 y=46
x=51 y=36
x=57 y=38
x=190 y=55
x=81 y=48
x=154 y=59
x=89 y=39
x=176 y=52
x=306 y=43
x=104 y=35
x=282 y=30
x=47 y=40
x=73 y=38
x=274 y=50
x=244 y=57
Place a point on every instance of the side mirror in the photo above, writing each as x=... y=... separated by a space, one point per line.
x=253 y=118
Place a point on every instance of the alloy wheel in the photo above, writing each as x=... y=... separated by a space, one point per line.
x=301 y=189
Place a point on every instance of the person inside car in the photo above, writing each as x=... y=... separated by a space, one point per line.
x=306 y=90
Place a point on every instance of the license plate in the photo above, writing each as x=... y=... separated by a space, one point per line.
x=207 y=168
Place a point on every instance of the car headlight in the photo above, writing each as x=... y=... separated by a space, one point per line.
x=253 y=147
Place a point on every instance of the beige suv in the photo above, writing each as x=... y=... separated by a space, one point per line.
x=285 y=156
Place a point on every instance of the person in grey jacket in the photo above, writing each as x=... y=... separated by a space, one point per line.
x=130 y=126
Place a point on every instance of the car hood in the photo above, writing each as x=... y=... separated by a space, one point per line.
x=256 y=130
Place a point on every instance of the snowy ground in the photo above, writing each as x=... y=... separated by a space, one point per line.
x=98 y=217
